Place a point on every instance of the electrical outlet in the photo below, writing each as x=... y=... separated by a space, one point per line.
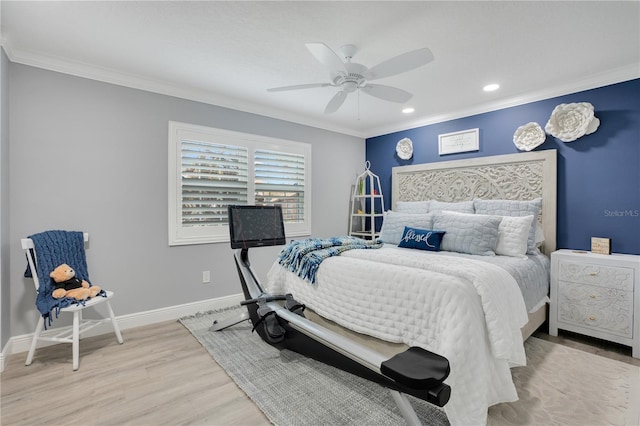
x=206 y=277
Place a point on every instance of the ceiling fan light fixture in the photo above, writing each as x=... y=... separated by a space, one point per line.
x=349 y=86
x=349 y=77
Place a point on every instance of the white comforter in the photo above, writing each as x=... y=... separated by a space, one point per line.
x=469 y=311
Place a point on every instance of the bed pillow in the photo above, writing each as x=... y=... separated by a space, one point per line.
x=421 y=239
x=393 y=225
x=413 y=207
x=468 y=233
x=513 y=234
x=513 y=208
x=539 y=234
x=462 y=207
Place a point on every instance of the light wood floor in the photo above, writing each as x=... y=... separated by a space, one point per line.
x=160 y=376
x=589 y=344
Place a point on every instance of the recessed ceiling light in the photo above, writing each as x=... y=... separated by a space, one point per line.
x=408 y=110
x=491 y=87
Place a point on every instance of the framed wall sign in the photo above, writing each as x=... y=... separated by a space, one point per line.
x=466 y=140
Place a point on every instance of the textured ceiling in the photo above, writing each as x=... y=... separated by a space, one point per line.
x=229 y=53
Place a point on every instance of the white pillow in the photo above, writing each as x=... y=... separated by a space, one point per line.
x=513 y=234
x=393 y=225
x=539 y=235
x=460 y=207
x=512 y=208
x=413 y=207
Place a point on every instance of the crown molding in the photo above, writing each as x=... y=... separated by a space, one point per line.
x=107 y=75
x=80 y=69
x=594 y=81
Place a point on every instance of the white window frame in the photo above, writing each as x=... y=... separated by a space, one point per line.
x=184 y=235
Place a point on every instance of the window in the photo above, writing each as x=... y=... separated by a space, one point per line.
x=210 y=169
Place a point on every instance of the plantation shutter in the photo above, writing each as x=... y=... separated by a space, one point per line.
x=213 y=176
x=279 y=179
x=210 y=169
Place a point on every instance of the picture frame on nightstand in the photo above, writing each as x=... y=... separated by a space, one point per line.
x=600 y=245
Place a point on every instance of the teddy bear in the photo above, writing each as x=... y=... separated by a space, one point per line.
x=68 y=285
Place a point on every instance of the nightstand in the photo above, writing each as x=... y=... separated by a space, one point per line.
x=597 y=295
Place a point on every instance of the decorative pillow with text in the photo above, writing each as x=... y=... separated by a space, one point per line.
x=422 y=239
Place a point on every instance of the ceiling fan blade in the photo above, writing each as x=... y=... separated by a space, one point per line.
x=401 y=63
x=387 y=93
x=326 y=57
x=298 y=87
x=336 y=102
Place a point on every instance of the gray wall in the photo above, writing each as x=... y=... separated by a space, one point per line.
x=92 y=156
x=5 y=289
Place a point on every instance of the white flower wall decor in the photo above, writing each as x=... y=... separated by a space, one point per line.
x=529 y=136
x=569 y=122
x=404 y=148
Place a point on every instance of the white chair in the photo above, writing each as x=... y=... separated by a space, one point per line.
x=80 y=325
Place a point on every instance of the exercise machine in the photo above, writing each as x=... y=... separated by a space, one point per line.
x=280 y=321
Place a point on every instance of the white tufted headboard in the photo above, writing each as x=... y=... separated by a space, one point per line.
x=522 y=176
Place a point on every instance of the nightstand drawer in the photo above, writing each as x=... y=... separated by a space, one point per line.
x=605 y=309
x=597 y=275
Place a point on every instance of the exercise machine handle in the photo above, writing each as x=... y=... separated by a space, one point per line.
x=265 y=298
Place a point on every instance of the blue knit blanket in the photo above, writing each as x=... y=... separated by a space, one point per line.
x=305 y=256
x=54 y=248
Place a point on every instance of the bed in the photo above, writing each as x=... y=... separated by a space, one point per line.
x=474 y=309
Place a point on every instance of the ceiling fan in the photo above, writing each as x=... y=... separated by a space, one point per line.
x=350 y=76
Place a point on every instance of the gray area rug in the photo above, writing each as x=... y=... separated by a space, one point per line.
x=559 y=385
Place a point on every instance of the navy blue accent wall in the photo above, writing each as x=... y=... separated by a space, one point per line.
x=598 y=174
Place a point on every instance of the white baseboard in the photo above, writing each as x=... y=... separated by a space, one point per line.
x=17 y=344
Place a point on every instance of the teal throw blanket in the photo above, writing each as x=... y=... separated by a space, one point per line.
x=305 y=256
x=54 y=248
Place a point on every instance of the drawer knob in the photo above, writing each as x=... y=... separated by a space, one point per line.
x=592 y=296
x=593 y=273
x=592 y=318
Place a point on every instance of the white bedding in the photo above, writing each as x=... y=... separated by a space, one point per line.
x=469 y=311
